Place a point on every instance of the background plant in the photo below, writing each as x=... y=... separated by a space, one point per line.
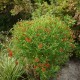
x=67 y=10
x=10 y=67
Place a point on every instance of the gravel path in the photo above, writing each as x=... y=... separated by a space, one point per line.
x=71 y=71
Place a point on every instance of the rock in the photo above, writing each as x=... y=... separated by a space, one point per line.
x=70 y=72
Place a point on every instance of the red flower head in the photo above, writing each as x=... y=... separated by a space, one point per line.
x=37 y=60
x=41 y=65
x=43 y=69
x=35 y=67
x=10 y=53
x=28 y=39
x=37 y=34
x=73 y=36
x=16 y=62
x=47 y=65
x=61 y=50
x=47 y=30
x=40 y=45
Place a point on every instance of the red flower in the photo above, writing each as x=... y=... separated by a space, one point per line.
x=41 y=65
x=43 y=69
x=37 y=34
x=10 y=53
x=73 y=36
x=35 y=67
x=16 y=62
x=47 y=30
x=40 y=45
x=61 y=50
x=37 y=60
x=28 y=39
x=47 y=65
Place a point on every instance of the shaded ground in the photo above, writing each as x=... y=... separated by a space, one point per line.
x=71 y=71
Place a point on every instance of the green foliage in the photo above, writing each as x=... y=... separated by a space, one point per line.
x=13 y=10
x=77 y=50
x=46 y=42
x=42 y=9
x=25 y=8
x=3 y=4
x=38 y=1
x=69 y=20
x=58 y=8
x=22 y=6
x=2 y=37
x=10 y=67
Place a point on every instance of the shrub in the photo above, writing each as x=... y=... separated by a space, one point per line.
x=58 y=8
x=22 y=7
x=46 y=42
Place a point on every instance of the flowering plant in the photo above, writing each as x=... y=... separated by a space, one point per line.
x=46 y=42
x=10 y=67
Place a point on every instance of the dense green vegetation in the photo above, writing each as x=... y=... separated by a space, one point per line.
x=37 y=37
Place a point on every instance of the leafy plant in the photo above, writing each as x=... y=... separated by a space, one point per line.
x=57 y=8
x=69 y=20
x=77 y=50
x=46 y=42
x=10 y=67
